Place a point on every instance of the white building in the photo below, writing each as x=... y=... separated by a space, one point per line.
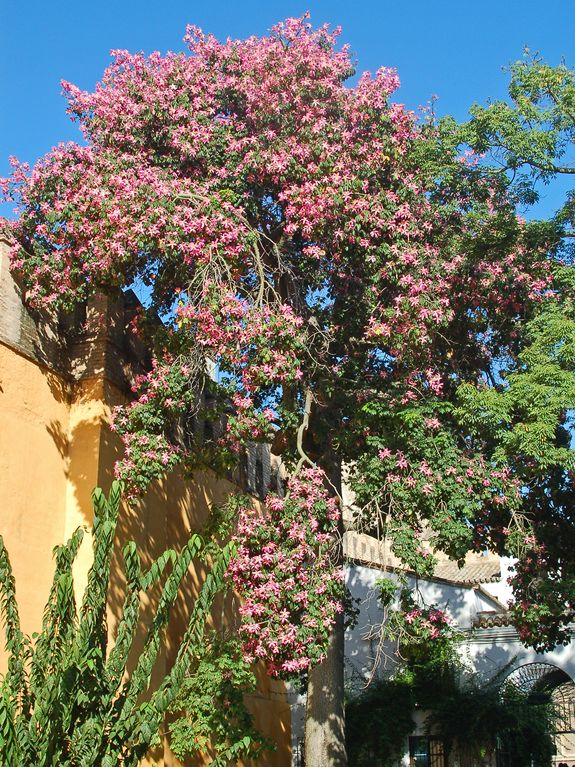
x=475 y=597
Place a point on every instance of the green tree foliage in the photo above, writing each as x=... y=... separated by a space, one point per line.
x=532 y=135
x=378 y=722
x=67 y=697
x=527 y=416
x=212 y=716
x=477 y=718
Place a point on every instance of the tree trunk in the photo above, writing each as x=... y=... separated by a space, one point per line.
x=324 y=714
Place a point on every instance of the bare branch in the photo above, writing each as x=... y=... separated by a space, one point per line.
x=304 y=458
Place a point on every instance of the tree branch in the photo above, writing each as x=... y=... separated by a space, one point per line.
x=304 y=457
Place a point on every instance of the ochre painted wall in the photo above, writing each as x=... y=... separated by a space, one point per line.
x=34 y=422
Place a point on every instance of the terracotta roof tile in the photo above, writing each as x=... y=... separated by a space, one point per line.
x=367 y=550
x=487 y=620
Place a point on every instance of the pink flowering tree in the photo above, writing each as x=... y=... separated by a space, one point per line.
x=287 y=575
x=364 y=294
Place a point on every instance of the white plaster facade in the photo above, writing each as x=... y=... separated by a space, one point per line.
x=486 y=650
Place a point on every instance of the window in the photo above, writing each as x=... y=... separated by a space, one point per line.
x=259 y=477
x=426 y=752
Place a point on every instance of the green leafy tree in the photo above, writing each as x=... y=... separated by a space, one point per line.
x=70 y=699
x=531 y=137
x=478 y=718
x=378 y=722
x=529 y=141
x=211 y=714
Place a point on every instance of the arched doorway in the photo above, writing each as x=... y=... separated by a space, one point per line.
x=551 y=690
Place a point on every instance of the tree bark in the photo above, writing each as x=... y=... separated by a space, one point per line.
x=324 y=714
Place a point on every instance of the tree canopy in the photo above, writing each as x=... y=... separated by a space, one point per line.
x=367 y=293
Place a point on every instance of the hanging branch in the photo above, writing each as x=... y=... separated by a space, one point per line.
x=304 y=457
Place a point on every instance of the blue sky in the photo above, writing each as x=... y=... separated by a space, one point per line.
x=454 y=50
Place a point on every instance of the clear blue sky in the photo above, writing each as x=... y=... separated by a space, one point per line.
x=453 y=49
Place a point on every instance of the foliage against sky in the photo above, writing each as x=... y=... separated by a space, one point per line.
x=369 y=294
x=421 y=39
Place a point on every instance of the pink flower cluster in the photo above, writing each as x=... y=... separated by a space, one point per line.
x=188 y=155
x=426 y=623
x=470 y=476
x=260 y=346
x=176 y=143
x=161 y=396
x=287 y=575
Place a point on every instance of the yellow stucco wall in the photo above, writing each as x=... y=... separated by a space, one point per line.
x=55 y=447
x=35 y=416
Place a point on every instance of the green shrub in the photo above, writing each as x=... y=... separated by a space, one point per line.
x=66 y=698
